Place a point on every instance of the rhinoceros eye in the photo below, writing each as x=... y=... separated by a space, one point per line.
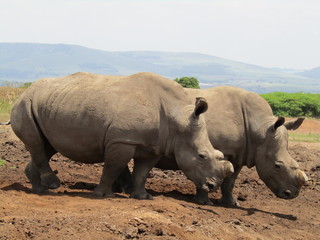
x=278 y=165
x=201 y=156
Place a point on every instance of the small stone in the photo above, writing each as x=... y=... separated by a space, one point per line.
x=250 y=211
x=242 y=197
x=237 y=222
x=159 y=232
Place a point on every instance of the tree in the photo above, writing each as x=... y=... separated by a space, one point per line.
x=188 y=82
x=26 y=85
x=294 y=104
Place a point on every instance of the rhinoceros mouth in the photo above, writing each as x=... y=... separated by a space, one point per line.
x=211 y=185
x=288 y=194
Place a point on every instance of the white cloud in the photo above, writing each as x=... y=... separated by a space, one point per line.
x=279 y=33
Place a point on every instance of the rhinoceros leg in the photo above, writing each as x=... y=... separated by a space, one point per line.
x=26 y=127
x=117 y=158
x=227 y=187
x=123 y=182
x=139 y=175
x=34 y=177
x=39 y=171
x=202 y=197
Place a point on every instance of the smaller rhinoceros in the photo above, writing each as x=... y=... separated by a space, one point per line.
x=99 y=118
x=243 y=127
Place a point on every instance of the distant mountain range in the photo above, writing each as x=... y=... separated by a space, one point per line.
x=313 y=73
x=26 y=62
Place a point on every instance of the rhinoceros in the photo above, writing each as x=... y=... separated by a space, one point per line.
x=93 y=118
x=242 y=126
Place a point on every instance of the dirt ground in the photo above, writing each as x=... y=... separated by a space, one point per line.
x=72 y=212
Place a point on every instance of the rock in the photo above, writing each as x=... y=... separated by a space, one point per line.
x=242 y=196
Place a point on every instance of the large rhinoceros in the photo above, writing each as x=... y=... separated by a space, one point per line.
x=98 y=118
x=241 y=125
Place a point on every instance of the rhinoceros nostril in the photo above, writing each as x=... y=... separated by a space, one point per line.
x=288 y=193
x=211 y=184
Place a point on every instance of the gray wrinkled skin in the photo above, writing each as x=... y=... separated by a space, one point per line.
x=98 y=118
x=242 y=126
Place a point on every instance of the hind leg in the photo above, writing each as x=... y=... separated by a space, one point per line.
x=123 y=182
x=39 y=171
x=26 y=127
x=34 y=177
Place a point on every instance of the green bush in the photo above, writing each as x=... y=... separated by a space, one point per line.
x=188 y=82
x=26 y=85
x=294 y=104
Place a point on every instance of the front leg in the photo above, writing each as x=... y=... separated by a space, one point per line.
x=227 y=187
x=202 y=197
x=139 y=175
x=117 y=157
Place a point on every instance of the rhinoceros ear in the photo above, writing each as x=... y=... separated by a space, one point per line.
x=201 y=106
x=280 y=121
x=294 y=124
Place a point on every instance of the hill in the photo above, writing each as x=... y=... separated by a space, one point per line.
x=26 y=62
x=313 y=73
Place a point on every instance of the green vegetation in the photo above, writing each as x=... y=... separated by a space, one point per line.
x=2 y=162
x=15 y=84
x=300 y=137
x=8 y=96
x=26 y=85
x=294 y=104
x=188 y=82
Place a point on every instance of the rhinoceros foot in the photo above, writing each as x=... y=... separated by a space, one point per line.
x=34 y=177
x=50 y=180
x=119 y=188
x=141 y=195
x=229 y=202
x=202 y=197
x=102 y=192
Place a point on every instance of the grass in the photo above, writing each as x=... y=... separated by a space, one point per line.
x=2 y=162
x=304 y=137
x=8 y=95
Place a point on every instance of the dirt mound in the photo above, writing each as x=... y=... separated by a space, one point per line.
x=72 y=212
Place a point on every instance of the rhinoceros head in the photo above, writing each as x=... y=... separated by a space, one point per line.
x=194 y=153
x=275 y=166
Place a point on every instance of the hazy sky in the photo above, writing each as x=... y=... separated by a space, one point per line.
x=270 y=33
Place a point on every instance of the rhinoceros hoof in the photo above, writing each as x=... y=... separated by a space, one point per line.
x=39 y=189
x=229 y=202
x=204 y=201
x=102 y=193
x=50 y=180
x=143 y=195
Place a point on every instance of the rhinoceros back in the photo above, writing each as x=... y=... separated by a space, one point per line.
x=82 y=113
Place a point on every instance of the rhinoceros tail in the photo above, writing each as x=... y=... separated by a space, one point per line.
x=5 y=123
